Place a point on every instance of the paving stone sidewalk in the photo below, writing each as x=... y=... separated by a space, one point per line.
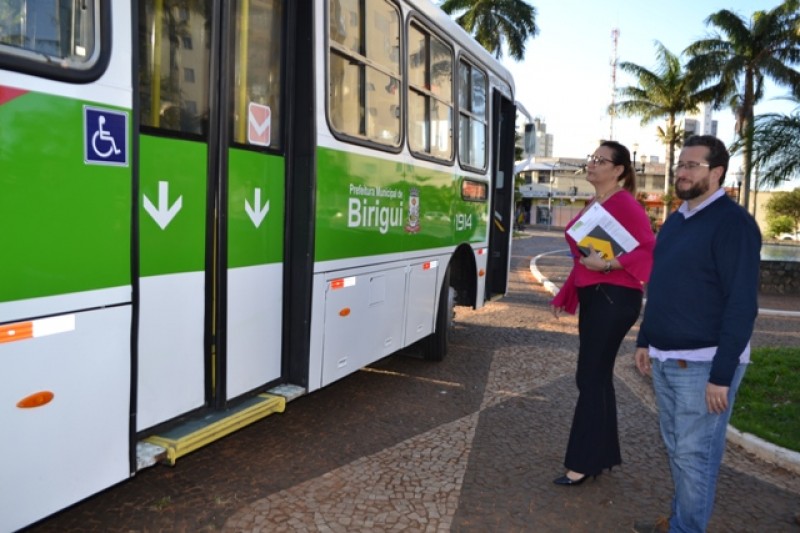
x=471 y=444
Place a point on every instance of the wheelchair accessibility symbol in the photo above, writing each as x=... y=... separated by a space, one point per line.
x=105 y=137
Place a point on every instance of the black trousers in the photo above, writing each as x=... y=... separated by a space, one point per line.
x=607 y=312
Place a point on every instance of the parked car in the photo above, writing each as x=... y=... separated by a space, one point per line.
x=789 y=236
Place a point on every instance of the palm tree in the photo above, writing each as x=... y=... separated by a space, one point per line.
x=492 y=22
x=776 y=150
x=665 y=93
x=738 y=58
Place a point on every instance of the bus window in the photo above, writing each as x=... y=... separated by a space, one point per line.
x=430 y=94
x=472 y=122
x=53 y=32
x=258 y=69
x=364 y=70
x=174 y=65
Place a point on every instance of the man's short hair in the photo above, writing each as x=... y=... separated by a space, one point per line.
x=718 y=155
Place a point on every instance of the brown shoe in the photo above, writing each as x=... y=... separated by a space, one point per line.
x=661 y=525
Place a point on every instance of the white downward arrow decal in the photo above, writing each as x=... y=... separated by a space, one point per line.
x=257 y=213
x=164 y=214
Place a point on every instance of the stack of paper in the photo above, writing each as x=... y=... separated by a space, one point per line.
x=596 y=227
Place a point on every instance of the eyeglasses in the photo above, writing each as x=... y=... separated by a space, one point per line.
x=688 y=165
x=597 y=160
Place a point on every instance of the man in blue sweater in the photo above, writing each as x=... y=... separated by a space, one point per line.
x=695 y=335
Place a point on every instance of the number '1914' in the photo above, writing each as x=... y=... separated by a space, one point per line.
x=463 y=221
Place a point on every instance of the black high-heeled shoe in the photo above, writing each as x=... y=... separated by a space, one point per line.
x=566 y=480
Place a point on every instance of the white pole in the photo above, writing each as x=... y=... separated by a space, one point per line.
x=550 y=202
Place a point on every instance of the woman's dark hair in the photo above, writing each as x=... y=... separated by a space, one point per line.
x=718 y=155
x=622 y=157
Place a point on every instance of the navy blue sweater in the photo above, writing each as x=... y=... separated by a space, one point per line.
x=703 y=291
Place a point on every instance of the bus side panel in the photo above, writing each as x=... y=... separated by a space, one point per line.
x=61 y=452
x=481 y=263
x=422 y=294
x=378 y=205
x=66 y=224
x=65 y=302
x=172 y=211
x=363 y=321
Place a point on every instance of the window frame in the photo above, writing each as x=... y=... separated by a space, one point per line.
x=364 y=62
x=160 y=130
x=278 y=147
x=470 y=115
x=37 y=64
x=426 y=26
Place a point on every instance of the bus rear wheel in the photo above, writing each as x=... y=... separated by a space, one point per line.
x=434 y=346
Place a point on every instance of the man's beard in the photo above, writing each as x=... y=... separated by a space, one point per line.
x=696 y=190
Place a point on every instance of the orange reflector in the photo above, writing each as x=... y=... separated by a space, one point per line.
x=37 y=399
x=16 y=332
x=341 y=283
x=345 y=311
x=426 y=265
x=481 y=272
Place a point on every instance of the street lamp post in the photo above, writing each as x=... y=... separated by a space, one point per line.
x=633 y=159
x=550 y=202
x=738 y=176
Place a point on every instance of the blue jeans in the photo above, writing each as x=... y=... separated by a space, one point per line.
x=694 y=438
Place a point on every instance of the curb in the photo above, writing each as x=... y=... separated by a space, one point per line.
x=766 y=451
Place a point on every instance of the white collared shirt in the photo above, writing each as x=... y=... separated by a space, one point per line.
x=686 y=212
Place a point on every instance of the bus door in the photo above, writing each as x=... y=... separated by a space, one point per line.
x=253 y=232
x=502 y=199
x=211 y=195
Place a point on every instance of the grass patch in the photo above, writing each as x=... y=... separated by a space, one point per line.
x=768 y=402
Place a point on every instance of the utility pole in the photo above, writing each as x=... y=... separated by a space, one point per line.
x=612 y=112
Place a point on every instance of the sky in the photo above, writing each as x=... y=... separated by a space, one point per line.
x=566 y=77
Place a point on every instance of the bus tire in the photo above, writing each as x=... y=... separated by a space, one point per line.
x=434 y=346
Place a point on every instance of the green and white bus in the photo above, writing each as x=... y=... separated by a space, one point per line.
x=210 y=207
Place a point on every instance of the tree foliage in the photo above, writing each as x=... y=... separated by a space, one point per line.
x=663 y=93
x=778 y=224
x=776 y=146
x=740 y=55
x=785 y=204
x=496 y=22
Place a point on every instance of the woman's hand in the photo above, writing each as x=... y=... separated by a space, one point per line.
x=556 y=310
x=594 y=260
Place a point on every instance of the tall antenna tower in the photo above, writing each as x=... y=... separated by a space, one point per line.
x=612 y=112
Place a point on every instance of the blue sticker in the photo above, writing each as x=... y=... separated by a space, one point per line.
x=105 y=139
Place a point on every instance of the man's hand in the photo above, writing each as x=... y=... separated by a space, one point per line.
x=716 y=398
x=642 y=358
